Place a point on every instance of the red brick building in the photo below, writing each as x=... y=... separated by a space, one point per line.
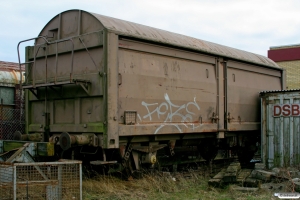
x=288 y=57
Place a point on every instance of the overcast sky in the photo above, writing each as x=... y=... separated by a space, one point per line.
x=250 y=25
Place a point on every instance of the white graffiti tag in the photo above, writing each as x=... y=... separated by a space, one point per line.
x=171 y=110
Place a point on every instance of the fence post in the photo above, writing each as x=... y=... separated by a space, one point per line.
x=59 y=174
x=15 y=181
x=1 y=119
x=80 y=183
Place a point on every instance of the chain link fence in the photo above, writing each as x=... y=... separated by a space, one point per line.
x=11 y=120
x=12 y=116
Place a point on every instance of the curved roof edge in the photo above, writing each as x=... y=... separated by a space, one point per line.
x=135 y=30
x=147 y=33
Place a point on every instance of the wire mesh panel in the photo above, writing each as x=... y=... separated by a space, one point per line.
x=11 y=120
x=130 y=117
x=50 y=180
x=12 y=115
x=6 y=181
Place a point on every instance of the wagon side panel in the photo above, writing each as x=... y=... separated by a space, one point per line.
x=244 y=82
x=171 y=91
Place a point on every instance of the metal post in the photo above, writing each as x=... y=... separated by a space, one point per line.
x=1 y=119
x=80 y=181
x=47 y=127
x=27 y=189
x=59 y=174
x=15 y=182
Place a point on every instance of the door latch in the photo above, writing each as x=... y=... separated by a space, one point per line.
x=229 y=118
x=214 y=118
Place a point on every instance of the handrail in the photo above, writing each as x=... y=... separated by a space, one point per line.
x=20 y=58
x=48 y=43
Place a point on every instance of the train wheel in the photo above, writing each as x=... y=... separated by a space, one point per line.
x=246 y=153
x=208 y=149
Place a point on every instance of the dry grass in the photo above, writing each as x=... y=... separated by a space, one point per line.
x=191 y=185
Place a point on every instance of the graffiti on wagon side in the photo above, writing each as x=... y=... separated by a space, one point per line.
x=169 y=111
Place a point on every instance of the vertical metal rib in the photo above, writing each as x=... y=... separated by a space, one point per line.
x=56 y=61
x=72 y=60
x=79 y=22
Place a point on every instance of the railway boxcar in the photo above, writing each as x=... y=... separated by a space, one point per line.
x=97 y=85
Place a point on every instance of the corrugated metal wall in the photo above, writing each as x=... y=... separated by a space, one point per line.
x=281 y=128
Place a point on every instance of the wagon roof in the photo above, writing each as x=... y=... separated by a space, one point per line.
x=142 y=32
x=131 y=29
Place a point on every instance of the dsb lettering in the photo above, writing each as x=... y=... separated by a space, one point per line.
x=286 y=110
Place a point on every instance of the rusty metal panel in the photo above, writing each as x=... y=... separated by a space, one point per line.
x=135 y=30
x=9 y=78
x=221 y=92
x=79 y=114
x=244 y=82
x=91 y=110
x=10 y=74
x=170 y=95
x=78 y=43
x=75 y=107
x=64 y=111
x=11 y=66
x=83 y=66
x=280 y=128
x=69 y=24
x=85 y=22
x=37 y=113
x=167 y=51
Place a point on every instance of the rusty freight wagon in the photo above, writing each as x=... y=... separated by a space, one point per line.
x=117 y=91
